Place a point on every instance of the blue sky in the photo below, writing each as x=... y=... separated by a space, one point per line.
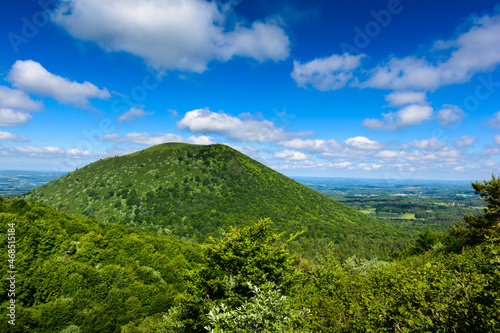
x=377 y=89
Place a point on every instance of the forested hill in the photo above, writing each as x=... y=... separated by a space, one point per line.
x=195 y=191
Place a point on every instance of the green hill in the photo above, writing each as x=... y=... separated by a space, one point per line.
x=194 y=191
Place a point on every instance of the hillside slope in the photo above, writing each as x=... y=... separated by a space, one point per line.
x=193 y=191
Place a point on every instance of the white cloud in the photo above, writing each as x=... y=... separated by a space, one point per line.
x=16 y=99
x=15 y=106
x=150 y=140
x=344 y=164
x=399 y=98
x=49 y=152
x=171 y=34
x=200 y=140
x=389 y=154
x=428 y=144
x=312 y=146
x=263 y=41
x=489 y=164
x=30 y=76
x=10 y=118
x=132 y=114
x=6 y=136
x=496 y=139
x=325 y=74
x=475 y=51
x=173 y=113
x=361 y=142
x=110 y=137
x=450 y=115
x=291 y=155
x=495 y=120
x=417 y=158
x=406 y=73
x=411 y=115
x=465 y=141
x=248 y=130
x=364 y=167
x=491 y=149
x=246 y=149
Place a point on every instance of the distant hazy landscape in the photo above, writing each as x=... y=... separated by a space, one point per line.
x=16 y=182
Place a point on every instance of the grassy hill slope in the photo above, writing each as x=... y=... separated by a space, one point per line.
x=193 y=191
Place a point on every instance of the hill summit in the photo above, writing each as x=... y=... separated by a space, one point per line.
x=196 y=191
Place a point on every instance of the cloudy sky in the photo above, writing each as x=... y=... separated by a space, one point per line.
x=345 y=88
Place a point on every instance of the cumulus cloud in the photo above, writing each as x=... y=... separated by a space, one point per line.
x=291 y=155
x=474 y=51
x=150 y=140
x=6 y=136
x=406 y=73
x=200 y=140
x=132 y=114
x=411 y=115
x=311 y=146
x=16 y=99
x=15 y=107
x=31 y=77
x=465 y=141
x=325 y=74
x=248 y=130
x=450 y=115
x=10 y=118
x=399 y=98
x=361 y=142
x=171 y=34
x=495 y=120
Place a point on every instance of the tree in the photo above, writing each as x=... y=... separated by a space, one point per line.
x=424 y=242
x=475 y=229
x=243 y=260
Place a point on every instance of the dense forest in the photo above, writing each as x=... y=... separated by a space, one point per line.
x=77 y=274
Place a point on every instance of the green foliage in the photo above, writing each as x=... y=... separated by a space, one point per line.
x=476 y=229
x=431 y=288
x=76 y=274
x=268 y=310
x=422 y=243
x=245 y=259
x=436 y=292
